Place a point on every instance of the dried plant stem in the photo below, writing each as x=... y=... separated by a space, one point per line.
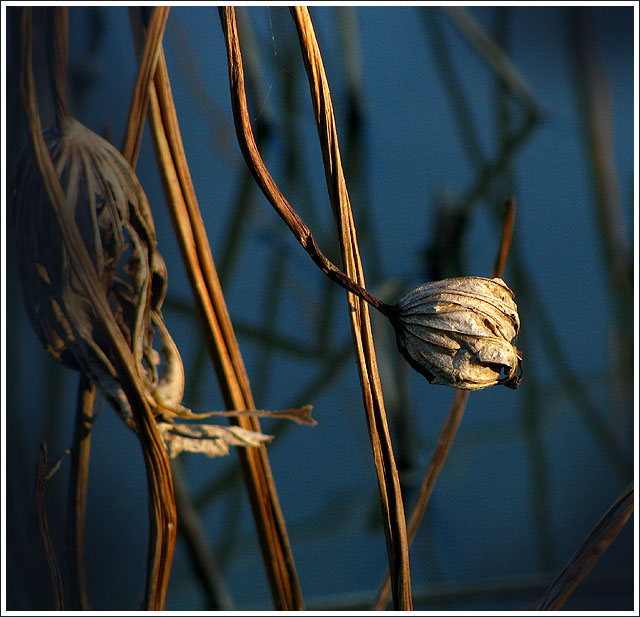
x=78 y=487
x=386 y=470
x=440 y=453
x=58 y=59
x=146 y=71
x=354 y=281
x=162 y=510
x=505 y=240
x=41 y=511
x=195 y=536
x=596 y=543
x=264 y=179
x=80 y=452
x=221 y=340
x=452 y=422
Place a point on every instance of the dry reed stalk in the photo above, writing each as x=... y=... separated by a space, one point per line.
x=391 y=498
x=78 y=488
x=162 y=511
x=452 y=422
x=43 y=524
x=222 y=344
x=146 y=71
x=86 y=393
x=81 y=445
x=595 y=544
x=388 y=480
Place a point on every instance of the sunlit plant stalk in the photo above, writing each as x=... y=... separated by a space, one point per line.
x=161 y=503
x=221 y=341
x=452 y=422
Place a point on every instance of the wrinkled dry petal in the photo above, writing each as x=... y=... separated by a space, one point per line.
x=459 y=332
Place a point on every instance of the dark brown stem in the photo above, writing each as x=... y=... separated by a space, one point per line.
x=162 y=510
x=262 y=176
x=505 y=240
x=454 y=417
x=58 y=60
x=78 y=486
x=41 y=483
x=596 y=543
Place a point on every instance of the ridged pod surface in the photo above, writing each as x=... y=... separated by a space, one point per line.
x=459 y=332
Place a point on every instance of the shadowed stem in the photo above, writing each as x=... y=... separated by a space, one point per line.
x=41 y=512
x=264 y=179
x=58 y=60
x=596 y=543
x=162 y=512
x=202 y=556
x=220 y=337
x=78 y=487
x=452 y=422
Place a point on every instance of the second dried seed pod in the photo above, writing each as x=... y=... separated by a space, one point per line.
x=113 y=216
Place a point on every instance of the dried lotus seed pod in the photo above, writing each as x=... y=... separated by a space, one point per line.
x=459 y=332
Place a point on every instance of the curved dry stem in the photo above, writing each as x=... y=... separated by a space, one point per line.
x=222 y=344
x=78 y=488
x=595 y=544
x=162 y=509
x=263 y=178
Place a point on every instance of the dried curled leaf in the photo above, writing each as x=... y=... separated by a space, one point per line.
x=209 y=439
x=114 y=219
x=458 y=332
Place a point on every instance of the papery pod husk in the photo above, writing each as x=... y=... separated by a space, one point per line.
x=115 y=221
x=114 y=218
x=459 y=332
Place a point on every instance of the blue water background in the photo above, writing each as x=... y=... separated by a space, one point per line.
x=485 y=523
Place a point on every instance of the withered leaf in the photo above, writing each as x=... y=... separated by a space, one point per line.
x=209 y=439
